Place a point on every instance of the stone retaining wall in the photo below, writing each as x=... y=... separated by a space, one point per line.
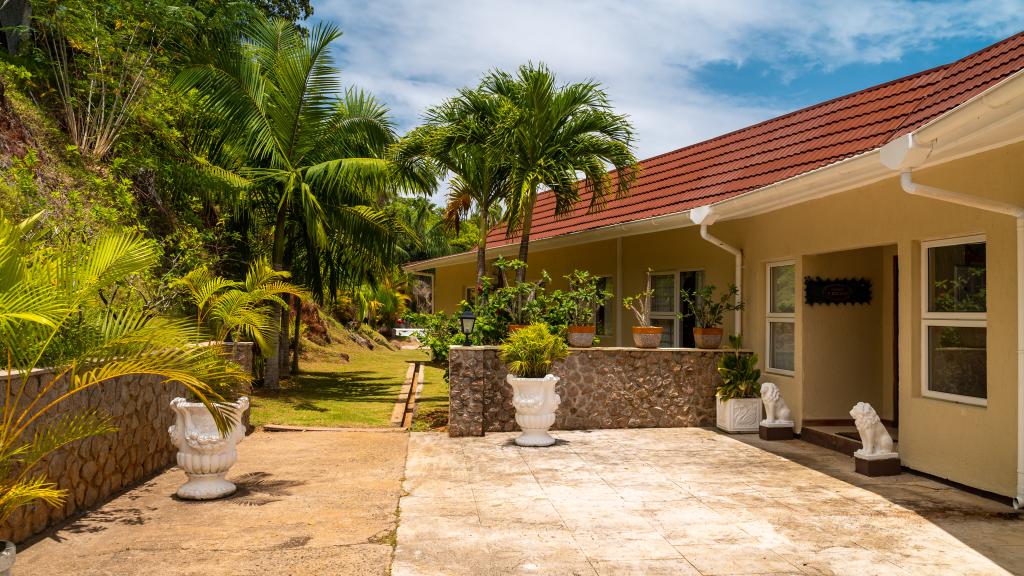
x=599 y=387
x=96 y=468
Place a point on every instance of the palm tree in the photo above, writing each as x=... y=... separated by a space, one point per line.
x=552 y=135
x=57 y=309
x=458 y=137
x=302 y=153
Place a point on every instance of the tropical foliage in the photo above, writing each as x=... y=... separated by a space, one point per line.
x=740 y=375
x=530 y=351
x=72 y=310
x=707 y=309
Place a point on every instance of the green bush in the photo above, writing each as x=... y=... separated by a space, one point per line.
x=740 y=375
x=709 y=312
x=441 y=331
x=530 y=351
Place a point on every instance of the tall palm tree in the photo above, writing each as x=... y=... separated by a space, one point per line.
x=552 y=135
x=458 y=137
x=57 y=309
x=303 y=152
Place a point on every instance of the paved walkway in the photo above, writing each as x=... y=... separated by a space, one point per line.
x=316 y=503
x=683 y=502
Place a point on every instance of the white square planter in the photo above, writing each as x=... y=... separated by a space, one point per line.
x=739 y=415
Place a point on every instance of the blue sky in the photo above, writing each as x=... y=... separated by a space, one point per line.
x=683 y=70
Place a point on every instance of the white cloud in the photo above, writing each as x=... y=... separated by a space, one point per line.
x=414 y=53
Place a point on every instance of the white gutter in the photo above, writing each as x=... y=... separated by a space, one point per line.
x=704 y=217
x=913 y=150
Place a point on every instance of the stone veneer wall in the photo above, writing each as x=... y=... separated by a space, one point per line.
x=599 y=387
x=94 y=469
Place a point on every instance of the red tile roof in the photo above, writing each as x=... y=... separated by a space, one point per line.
x=786 y=146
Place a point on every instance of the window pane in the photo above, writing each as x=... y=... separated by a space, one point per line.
x=783 y=282
x=667 y=327
x=782 y=342
x=956 y=278
x=664 y=286
x=956 y=360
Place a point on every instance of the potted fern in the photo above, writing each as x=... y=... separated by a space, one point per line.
x=709 y=313
x=738 y=397
x=529 y=353
x=644 y=335
x=584 y=298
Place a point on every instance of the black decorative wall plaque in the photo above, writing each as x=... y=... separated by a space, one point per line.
x=837 y=290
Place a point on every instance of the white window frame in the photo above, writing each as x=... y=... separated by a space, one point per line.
x=958 y=319
x=671 y=315
x=779 y=317
x=674 y=314
x=433 y=288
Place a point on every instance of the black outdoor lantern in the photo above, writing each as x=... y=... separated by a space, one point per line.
x=466 y=321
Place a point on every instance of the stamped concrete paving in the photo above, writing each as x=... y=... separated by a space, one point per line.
x=683 y=501
x=316 y=503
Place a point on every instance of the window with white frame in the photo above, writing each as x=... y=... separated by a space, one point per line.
x=663 y=306
x=954 y=320
x=781 y=318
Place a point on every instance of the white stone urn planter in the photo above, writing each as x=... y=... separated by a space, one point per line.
x=535 y=402
x=738 y=415
x=6 y=557
x=203 y=453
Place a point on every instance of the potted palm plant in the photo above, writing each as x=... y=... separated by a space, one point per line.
x=583 y=300
x=529 y=354
x=709 y=312
x=644 y=334
x=738 y=397
x=234 y=311
x=55 y=317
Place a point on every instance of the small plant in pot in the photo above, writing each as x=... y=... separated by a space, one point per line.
x=584 y=298
x=738 y=397
x=529 y=354
x=644 y=334
x=709 y=312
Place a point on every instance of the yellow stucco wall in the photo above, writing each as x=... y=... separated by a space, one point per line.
x=968 y=444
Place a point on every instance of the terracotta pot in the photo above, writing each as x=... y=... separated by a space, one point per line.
x=582 y=336
x=647 y=336
x=708 y=338
x=513 y=327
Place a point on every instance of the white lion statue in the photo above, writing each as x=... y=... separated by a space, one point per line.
x=775 y=409
x=873 y=435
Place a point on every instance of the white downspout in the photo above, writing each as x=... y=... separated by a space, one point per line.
x=738 y=254
x=911 y=187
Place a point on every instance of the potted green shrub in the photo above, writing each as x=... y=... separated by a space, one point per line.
x=709 y=312
x=529 y=354
x=522 y=302
x=738 y=397
x=582 y=302
x=644 y=334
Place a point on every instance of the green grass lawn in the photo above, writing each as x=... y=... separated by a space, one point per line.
x=359 y=393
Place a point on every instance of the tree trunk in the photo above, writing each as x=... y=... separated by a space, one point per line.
x=284 y=343
x=296 y=350
x=524 y=242
x=272 y=370
x=481 y=252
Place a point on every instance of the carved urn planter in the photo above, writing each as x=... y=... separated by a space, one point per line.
x=738 y=415
x=582 y=336
x=708 y=338
x=203 y=453
x=6 y=557
x=535 y=401
x=647 y=336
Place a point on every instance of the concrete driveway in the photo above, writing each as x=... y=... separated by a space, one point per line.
x=683 y=501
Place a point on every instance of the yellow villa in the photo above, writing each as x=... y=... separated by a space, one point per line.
x=915 y=186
